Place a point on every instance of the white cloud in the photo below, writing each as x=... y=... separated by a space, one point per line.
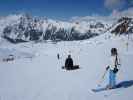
x=128 y=12
x=116 y=14
x=114 y=4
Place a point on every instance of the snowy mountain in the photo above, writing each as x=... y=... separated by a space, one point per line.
x=23 y=27
x=123 y=26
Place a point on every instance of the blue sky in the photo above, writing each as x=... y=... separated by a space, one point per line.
x=63 y=8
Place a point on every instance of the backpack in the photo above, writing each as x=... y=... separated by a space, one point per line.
x=115 y=70
x=116 y=63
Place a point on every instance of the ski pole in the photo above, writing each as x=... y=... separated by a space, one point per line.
x=102 y=79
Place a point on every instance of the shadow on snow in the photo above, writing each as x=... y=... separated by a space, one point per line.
x=125 y=84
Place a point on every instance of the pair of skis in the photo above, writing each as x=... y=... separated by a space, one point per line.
x=106 y=88
x=102 y=88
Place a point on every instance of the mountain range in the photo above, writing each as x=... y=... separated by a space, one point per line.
x=24 y=28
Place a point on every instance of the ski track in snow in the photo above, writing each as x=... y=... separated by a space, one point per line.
x=41 y=77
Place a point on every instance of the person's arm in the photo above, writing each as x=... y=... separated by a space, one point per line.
x=66 y=62
x=72 y=62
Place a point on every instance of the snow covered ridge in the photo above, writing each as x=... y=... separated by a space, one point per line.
x=20 y=28
x=24 y=27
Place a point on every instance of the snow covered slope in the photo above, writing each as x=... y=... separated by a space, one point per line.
x=41 y=77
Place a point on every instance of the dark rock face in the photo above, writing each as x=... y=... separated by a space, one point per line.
x=28 y=28
x=124 y=26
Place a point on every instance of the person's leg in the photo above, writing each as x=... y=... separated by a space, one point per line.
x=111 y=79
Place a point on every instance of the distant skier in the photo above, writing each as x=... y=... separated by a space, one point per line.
x=113 y=68
x=69 y=63
x=58 y=56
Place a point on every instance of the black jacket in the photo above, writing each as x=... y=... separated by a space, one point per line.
x=69 y=63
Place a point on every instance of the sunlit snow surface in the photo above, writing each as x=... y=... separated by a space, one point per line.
x=36 y=73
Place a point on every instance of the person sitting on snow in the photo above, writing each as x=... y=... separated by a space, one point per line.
x=113 y=68
x=69 y=63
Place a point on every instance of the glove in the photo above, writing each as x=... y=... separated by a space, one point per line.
x=107 y=67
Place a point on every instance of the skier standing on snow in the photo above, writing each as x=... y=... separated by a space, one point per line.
x=69 y=63
x=58 y=56
x=113 y=68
